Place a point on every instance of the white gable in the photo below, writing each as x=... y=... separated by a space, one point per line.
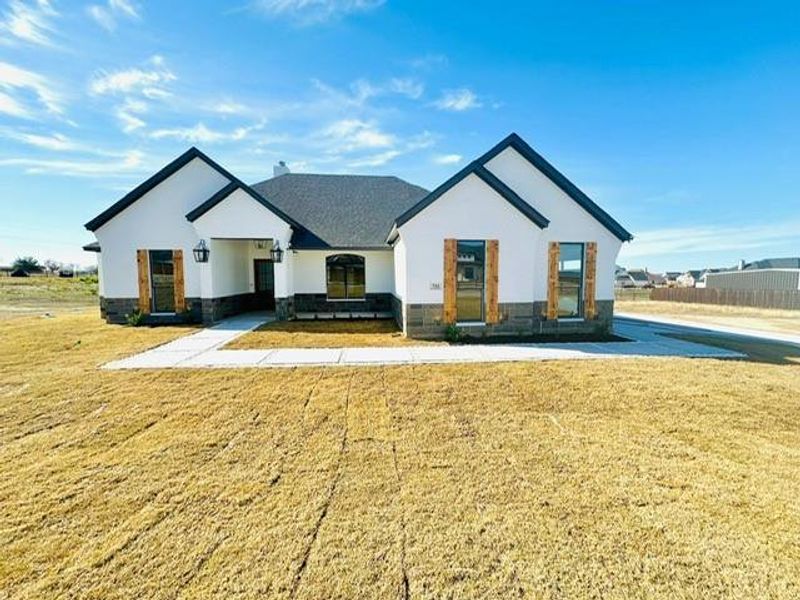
x=157 y=220
x=242 y=216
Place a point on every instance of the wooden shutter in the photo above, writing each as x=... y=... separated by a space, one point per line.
x=492 y=279
x=450 y=259
x=590 y=281
x=552 y=281
x=180 y=294
x=143 y=264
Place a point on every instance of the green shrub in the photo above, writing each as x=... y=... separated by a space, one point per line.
x=135 y=318
x=452 y=333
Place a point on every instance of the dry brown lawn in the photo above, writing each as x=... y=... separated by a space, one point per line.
x=786 y=321
x=657 y=478
x=39 y=294
x=325 y=334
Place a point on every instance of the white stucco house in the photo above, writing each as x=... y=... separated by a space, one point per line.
x=505 y=246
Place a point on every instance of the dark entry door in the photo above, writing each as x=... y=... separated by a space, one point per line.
x=265 y=285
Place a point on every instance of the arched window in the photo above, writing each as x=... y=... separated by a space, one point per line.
x=346 y=279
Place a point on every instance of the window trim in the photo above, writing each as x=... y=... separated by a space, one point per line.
x=347 y=298
x=580 y=314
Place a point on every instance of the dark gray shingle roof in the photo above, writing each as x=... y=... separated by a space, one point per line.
x=775 y=263
x=340 y=211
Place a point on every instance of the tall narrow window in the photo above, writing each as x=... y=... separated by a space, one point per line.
x=162 y=281
x=570 y=280
x=470 y=280
x=345 y=276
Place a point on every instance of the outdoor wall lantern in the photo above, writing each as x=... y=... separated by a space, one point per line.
x=276 y=252
x=201 y=252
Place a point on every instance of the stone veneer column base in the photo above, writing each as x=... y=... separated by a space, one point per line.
x=516 y=318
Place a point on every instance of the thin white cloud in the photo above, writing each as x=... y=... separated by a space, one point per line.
x=29 y=22
x=121 y=166
x=14 y=80
x=312 y=12
x=347 y=135
x=11 y=106
x=106 y=15
x=407 y=86
x=458 y=100
x=447 y=159
x=375 y=160
x=429 y=62
x=228 y=107
x=200 y=133
x=709 y=238
x=149 y=81
x=127 y=112
x=55 y=141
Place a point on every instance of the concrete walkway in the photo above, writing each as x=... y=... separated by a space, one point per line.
x=203 y=350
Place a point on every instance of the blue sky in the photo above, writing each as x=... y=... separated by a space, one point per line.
x=679 y=118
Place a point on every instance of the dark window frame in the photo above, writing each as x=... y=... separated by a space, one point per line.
x=349 y=264
x=579 y=312
x=154 y=296
x=475 y=266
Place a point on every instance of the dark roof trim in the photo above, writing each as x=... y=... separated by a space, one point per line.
x=340 y=248
x=511 y=196
x=518 y=144
x=169 y=170
x=92 y=247
x=218 y=197
x=206 y=206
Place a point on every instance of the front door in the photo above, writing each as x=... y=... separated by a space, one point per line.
x=265 y=284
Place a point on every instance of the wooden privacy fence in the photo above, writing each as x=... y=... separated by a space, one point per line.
x=786 y=299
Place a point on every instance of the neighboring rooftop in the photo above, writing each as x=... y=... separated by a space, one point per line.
x=340 y=211
x=775 y=263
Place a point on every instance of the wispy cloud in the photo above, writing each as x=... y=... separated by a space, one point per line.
x=313 y=12
x=429 y=62
x=148 y=81
x=711 y=238
x=347 y=135
x=127 y=114
x=375 y=160
x=201 y=134
x=29 y=22
x=122 y=165
x=447 y=159
x=14 y=80
x=458 y=100
x=106 y=15
x=53 y=141
x=228 y=107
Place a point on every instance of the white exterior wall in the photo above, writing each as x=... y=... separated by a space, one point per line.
x=569 y=222
x=156 y=221
x=471 y=210
x=232 y=225
x=310 y=277
x=400 y=269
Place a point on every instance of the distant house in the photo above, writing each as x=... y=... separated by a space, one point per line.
x=633 y=278
x=656 y=279
x=689 y=278
x=671 y=278
x=19 y=273
x=766 y=274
